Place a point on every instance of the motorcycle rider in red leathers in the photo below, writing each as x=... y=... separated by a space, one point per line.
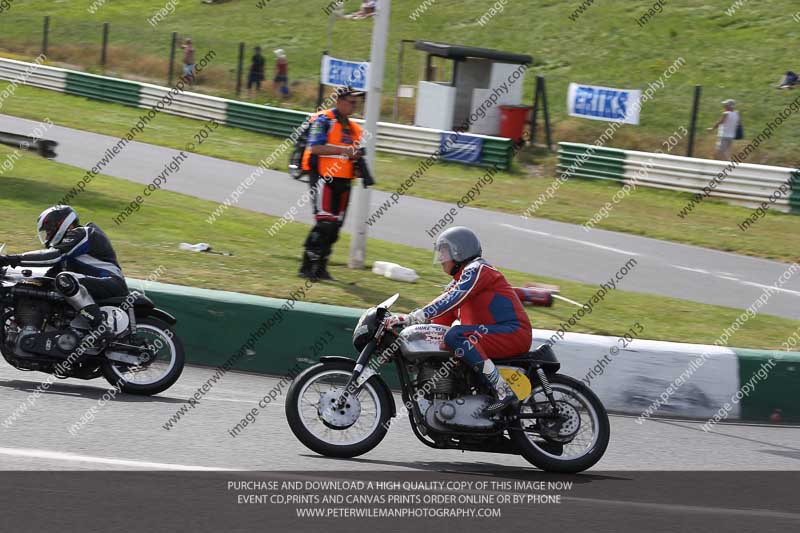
x=494 y=323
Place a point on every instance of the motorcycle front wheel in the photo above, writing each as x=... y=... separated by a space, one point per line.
x=348 y=431
x=573 y=442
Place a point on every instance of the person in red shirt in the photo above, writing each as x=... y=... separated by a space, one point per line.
x=280 y=83
x=494 y=323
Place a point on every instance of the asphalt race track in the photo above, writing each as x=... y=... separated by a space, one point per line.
x=537 y=246
x=197 y=460
x=127 y=434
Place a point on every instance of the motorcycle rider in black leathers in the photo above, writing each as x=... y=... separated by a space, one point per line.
x=80 y=257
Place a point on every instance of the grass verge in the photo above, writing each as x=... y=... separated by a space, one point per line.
x=267 y=266
x=647 y=212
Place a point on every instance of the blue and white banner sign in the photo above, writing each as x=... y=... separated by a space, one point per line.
x=461 y=147
x=339 y=73
x=603 y=103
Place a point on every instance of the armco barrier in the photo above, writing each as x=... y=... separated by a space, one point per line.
x=280 y=122
x=393 y=138
x=102 y=88
x=746 y=184
x=215 y=324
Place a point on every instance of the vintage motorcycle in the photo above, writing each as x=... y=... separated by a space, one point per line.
x=40 y=331
x=296 y=158
x=343 y=408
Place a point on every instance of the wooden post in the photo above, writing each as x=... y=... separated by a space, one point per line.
x=321 y=88
x=695 y=106
x=172 y=47
x=547 y=132
x=239 y=66
x=45 y=34
x=398 y=78
x=104 y=45
x=535 y=110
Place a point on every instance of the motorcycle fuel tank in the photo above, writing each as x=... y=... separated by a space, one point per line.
x=423 y=339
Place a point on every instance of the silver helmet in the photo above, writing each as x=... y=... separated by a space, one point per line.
x=457 y=244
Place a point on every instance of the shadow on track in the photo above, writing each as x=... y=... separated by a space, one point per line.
x=83 y=391
x=522 y=473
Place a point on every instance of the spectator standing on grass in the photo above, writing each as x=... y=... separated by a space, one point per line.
x=188 y=61
x=256 y=75
x=726 y=126
x=280 y=84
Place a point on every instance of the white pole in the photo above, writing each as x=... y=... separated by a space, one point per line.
x=380 y=32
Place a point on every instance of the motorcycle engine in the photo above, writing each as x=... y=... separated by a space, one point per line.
x=31 y=313
x=448 y=404
x=439 y=378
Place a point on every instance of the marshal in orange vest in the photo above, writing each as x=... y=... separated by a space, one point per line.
x=335 y=166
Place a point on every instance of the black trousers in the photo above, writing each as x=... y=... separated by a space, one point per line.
x=330 y=200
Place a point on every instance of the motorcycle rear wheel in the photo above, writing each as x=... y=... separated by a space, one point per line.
x=158 y=375
x=557 y=447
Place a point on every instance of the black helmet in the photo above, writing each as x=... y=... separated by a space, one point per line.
x=54 y=222
x=458 y=244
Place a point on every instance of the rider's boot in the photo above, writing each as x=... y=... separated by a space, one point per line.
x=504 y=394
x=305 y=267
x=78 y=297
x=322 y=271
x=310 y=269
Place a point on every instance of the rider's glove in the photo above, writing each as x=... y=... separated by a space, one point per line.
x=402 y=319
x=417 y=316
x=9 y=260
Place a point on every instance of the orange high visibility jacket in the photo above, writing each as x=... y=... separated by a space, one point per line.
x=335 y=166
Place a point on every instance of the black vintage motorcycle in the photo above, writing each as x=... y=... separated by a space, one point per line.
x=343 y=408
x=40 y=331
x=296 y=158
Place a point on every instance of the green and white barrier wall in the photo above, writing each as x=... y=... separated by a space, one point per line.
x=392 y=138
x=742 y=184
x=653 y=377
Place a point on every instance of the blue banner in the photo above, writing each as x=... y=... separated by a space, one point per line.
x=338 y=72
x=604 y=103
x=461 y=147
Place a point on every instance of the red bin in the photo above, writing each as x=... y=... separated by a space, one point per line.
x=512 y=121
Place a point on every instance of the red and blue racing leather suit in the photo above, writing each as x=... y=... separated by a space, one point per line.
x=493 y=322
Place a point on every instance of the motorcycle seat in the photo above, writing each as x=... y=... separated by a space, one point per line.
x=542 y=356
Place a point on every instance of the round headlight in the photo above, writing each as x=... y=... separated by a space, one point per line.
x=365 y=329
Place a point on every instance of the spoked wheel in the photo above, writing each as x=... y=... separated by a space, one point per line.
x=158 y=370
x=335 y=430
x=572 y=442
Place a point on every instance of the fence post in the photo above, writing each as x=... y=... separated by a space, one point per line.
x=535 y=110
x=547 y=132
x=695 y=106
x=172 y=58
x=45 y=33
x=239 y=69
x=398 y=80
x=321 y=88
x=105 y=44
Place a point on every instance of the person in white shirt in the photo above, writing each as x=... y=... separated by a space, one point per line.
x=726 y=128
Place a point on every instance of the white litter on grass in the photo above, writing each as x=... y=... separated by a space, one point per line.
x=394 y=271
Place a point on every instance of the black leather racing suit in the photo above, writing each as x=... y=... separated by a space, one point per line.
x=87 y=253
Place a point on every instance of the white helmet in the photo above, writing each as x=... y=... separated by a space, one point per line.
x=54 y=222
